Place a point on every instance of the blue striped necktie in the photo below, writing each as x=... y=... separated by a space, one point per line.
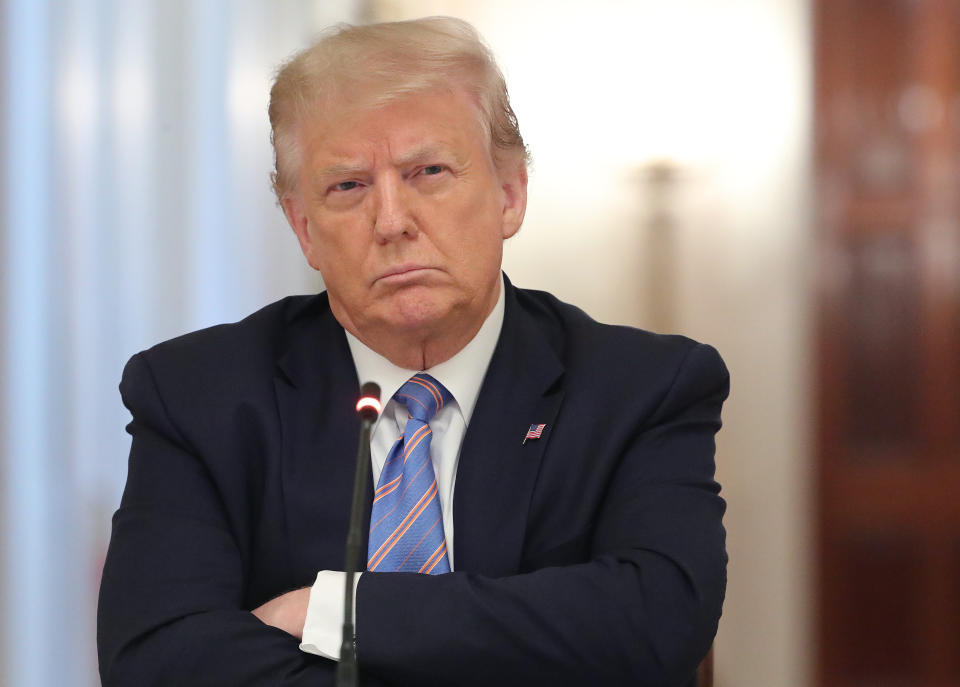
x=406 y=524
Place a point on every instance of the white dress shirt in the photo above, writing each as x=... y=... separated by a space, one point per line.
x=462 y=376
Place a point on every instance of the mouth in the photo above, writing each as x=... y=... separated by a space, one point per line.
x=401 y=274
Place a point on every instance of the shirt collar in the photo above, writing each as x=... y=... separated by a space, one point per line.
x=462 y=374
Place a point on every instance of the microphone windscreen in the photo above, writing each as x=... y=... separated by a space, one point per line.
x=369 y=404
x=371 y=389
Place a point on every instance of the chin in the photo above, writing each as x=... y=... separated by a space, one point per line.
x=409 y=311
x=416 y=318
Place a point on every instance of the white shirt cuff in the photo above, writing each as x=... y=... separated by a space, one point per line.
x=323 y=631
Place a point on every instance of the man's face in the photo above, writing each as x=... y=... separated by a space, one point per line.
x=404 y=212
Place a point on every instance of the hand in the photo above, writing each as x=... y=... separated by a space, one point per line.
x=287 y=612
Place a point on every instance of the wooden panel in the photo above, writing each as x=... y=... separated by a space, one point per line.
x=872 y=63
x=705 y=670
x=882 y=354
x=878 y=576
x=880 y=495
x=953 y=612
x=887 y=136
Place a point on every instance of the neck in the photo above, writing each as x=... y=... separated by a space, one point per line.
x=419 y=353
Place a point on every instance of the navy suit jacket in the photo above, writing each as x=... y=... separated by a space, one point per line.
x=593 y=555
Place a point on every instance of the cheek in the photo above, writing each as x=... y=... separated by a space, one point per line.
x=477 y=212
x=342 y=251
x=483 y=235
x=331 y=237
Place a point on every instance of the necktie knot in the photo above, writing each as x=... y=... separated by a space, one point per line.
x=423 y=395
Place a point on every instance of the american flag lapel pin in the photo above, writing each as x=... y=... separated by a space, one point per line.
x=534 y=432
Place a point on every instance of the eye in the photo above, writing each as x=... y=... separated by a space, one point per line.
x=433 y=169
x=345 y=186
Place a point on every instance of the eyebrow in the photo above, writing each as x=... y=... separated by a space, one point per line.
x=417 y=155
x=427 y=152
x=341 y=168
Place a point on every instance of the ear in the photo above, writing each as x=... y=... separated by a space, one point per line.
x=513 y=183
x=297 y=217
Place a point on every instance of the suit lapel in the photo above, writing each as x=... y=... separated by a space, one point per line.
x=316 y=386
x=497 y=471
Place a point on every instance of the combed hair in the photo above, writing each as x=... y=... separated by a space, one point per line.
x=369 y=66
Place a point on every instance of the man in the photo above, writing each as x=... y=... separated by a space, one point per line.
x=567 y=528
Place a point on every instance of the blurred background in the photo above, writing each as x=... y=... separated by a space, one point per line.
x=775 y=177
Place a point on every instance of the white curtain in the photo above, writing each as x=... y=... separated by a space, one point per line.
x=135 y=207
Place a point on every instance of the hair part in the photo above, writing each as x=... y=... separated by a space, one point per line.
x=366 y=67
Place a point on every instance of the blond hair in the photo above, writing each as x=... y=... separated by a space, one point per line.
x=368 y=66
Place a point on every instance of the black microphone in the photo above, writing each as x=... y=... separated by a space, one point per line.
x=369 y=409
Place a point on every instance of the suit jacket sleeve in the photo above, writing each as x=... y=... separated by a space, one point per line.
x=642 y=609
x=171 y=606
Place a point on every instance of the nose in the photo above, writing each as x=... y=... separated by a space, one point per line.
x=392 y=206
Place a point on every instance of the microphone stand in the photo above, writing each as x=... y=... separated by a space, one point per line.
x=369 y=408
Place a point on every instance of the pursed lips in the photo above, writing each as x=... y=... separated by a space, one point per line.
x=402 y=273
